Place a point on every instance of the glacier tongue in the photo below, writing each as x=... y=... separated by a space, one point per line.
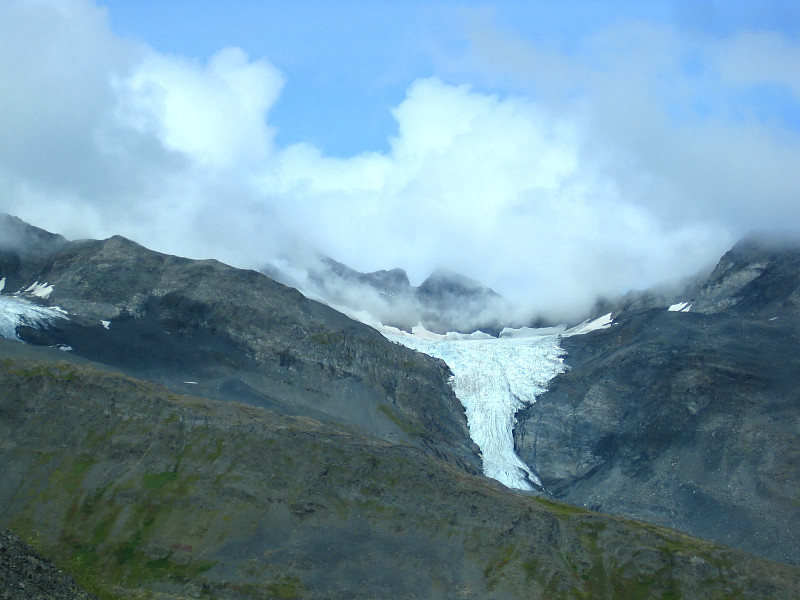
x=494 y=378
x=16 y=311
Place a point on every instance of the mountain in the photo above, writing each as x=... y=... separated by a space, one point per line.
x=686 y=414
x=141 y=492
x=230 y=334
x=445 y=301
x=179 y=429
x=445 y=297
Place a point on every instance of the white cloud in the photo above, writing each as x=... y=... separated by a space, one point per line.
x=492 y=187
x=618 y=164
x=215 y=113
x=55 y=60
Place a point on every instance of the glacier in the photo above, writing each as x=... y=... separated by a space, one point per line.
x=494 y=378
x=15 y=311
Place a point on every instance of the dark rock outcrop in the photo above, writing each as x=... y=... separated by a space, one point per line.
x=26 y=575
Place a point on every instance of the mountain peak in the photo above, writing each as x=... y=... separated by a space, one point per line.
x=389 y=281
x=445 y=301
x=759 y=273
x=445 y=282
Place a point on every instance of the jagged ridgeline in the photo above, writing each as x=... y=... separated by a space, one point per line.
x=211 y=433
x=445 y=301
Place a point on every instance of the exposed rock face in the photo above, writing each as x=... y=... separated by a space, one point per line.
x=144 y=493
x=236 y=335
x=758 y=277
x=688 y=419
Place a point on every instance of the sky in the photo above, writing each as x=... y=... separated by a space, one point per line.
x=555 y=152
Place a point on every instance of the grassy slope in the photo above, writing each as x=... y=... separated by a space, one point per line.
x=142 y=493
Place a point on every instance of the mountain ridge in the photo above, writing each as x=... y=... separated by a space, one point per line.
x=238 y=335
x=444 y=301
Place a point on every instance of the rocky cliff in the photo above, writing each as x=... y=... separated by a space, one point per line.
x=687 y=417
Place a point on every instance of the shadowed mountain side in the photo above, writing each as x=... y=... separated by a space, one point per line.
x=137 y=490
x=213 y=330
x=688 y=419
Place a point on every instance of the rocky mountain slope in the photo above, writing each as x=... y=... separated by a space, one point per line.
x=687 y=417
x=141 y=492
x=225 y=333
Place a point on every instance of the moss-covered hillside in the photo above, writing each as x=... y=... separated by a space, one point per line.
x=141 y=493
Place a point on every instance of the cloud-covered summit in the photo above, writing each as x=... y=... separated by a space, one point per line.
x=552 y=174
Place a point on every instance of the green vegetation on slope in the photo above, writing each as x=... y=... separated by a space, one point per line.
x=141 y=493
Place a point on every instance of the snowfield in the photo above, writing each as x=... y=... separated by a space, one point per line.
x=494 y=378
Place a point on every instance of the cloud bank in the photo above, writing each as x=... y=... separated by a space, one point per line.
x=551 y=175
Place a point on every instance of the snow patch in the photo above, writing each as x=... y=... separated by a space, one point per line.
x=680 y=307
x=41 y=290
x=64 y=348
x=2 y=284
x=15 y=312
x=587 y=326
x=106 y=324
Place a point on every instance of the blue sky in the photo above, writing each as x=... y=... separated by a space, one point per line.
x=347 y=63
x=555 y=151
